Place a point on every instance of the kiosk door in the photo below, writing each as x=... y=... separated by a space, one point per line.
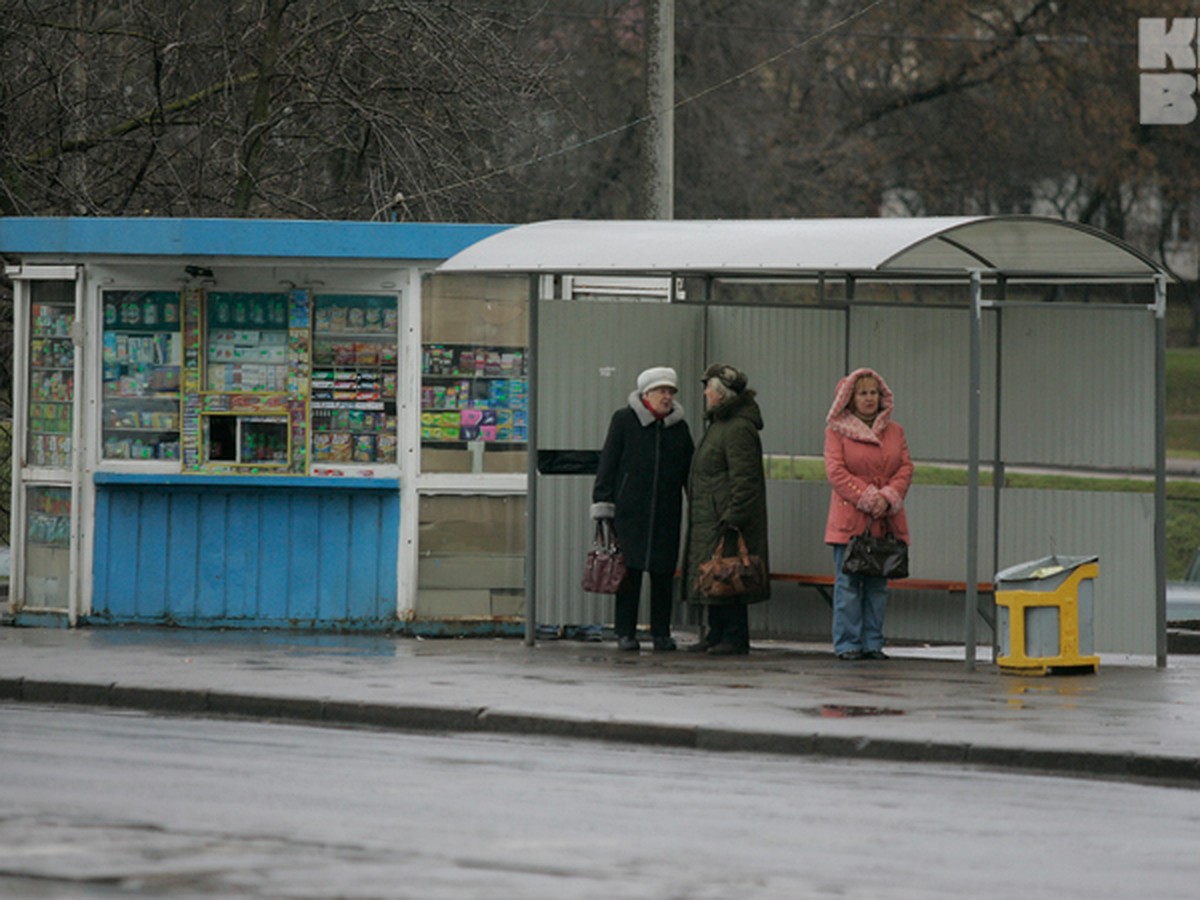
x=46 y=442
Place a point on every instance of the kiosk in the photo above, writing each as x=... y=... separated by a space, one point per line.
x=219 y=423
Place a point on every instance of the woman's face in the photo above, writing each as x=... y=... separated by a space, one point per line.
x=660 y=399
x=711 y=396
x=866 y=397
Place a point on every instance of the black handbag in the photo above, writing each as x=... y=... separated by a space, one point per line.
x=881 y=557
x=605 y=567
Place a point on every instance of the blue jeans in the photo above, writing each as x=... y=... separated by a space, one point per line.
x=859 y=602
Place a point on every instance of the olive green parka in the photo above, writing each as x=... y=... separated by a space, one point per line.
x=727 y=489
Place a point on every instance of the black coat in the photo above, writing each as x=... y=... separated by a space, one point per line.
x=640 y=483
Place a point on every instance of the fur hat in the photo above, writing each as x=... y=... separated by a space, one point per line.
x=731 y=377
x=657 y=377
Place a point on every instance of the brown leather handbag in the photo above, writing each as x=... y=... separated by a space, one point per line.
x=732 y=576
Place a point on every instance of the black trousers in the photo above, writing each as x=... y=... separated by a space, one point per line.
x=728 y=623
x=626 y=614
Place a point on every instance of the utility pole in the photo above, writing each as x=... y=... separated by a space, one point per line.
x=658 y=147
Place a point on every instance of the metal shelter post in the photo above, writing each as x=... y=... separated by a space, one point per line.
x=972 y=598
x=1160 y=470
x=531 y=469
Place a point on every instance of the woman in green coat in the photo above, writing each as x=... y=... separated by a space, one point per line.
x=727 y=490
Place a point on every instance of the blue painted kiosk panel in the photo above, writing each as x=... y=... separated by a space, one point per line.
x=283 y=553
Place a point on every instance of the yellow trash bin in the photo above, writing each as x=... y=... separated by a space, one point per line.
x=1045 y=610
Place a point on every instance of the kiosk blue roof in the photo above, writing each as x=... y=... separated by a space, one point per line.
x=258 y=238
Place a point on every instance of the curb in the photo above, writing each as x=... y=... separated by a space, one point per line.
x=1182 y=771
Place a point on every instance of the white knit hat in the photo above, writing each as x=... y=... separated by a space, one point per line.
x=657 y=377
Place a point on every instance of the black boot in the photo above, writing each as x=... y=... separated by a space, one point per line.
x=735 y=637
x=728 y=648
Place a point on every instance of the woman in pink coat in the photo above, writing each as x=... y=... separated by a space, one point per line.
x=869 y=469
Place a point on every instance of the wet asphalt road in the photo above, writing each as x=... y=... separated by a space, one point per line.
x=108 y=804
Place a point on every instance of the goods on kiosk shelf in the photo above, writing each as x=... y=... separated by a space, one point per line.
x=140 y=448
x=141 y=310
x=365 y=314
x=329 y=350
x=51 y=385
x=353 y=447
x=473 y=361
x=352 y=394
x=48 y=519
x=142 y=353
x=474 y=393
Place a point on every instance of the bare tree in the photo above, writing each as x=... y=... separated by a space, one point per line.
x=314 y=108
x=515 y=110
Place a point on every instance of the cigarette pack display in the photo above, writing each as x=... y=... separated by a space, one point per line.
x=486 y=384
x=354 y=402
x=341 y=448
x=385 y=447
x=322 y=446
x=364 y=448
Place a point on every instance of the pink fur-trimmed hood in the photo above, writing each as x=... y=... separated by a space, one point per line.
x=843 y=420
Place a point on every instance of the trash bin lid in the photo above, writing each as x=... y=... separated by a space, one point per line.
x=1046 y=567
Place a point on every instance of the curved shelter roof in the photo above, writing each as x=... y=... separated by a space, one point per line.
x=1014 y=246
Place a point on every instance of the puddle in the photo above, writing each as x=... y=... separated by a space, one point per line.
x=847 y=711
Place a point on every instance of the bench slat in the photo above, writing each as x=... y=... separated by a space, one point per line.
x=909 y=584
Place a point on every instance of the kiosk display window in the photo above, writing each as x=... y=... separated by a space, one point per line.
x=47 y=546
x=247 y=440
x=246 y=342
x=353 y=390
x=474 y=375
x=51 y=384
x=142 y=356
x=229 y=382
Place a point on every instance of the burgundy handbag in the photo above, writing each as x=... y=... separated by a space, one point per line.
x=605 y=567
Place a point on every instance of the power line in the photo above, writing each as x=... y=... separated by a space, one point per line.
x=633 y=123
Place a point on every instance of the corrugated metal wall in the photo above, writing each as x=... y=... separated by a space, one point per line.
x=1117 y=527
x=793 y=358
x=1078 y=387
x=590 y=355
x=1077 y=390
x=273 y=556
x=924 y=356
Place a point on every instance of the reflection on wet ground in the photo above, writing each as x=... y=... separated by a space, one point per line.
x=844 y=711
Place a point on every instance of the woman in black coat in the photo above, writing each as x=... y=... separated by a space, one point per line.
x=639 y=485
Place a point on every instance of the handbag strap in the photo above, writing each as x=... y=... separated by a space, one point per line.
x=887 y=529
x=606 y=535
x=743 y=551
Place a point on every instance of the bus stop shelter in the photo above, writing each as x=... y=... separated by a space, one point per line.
x=1009 y=341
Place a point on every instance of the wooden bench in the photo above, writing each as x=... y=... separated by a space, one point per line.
x=824 y=586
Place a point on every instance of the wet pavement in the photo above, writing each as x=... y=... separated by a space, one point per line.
x=1130 y=719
